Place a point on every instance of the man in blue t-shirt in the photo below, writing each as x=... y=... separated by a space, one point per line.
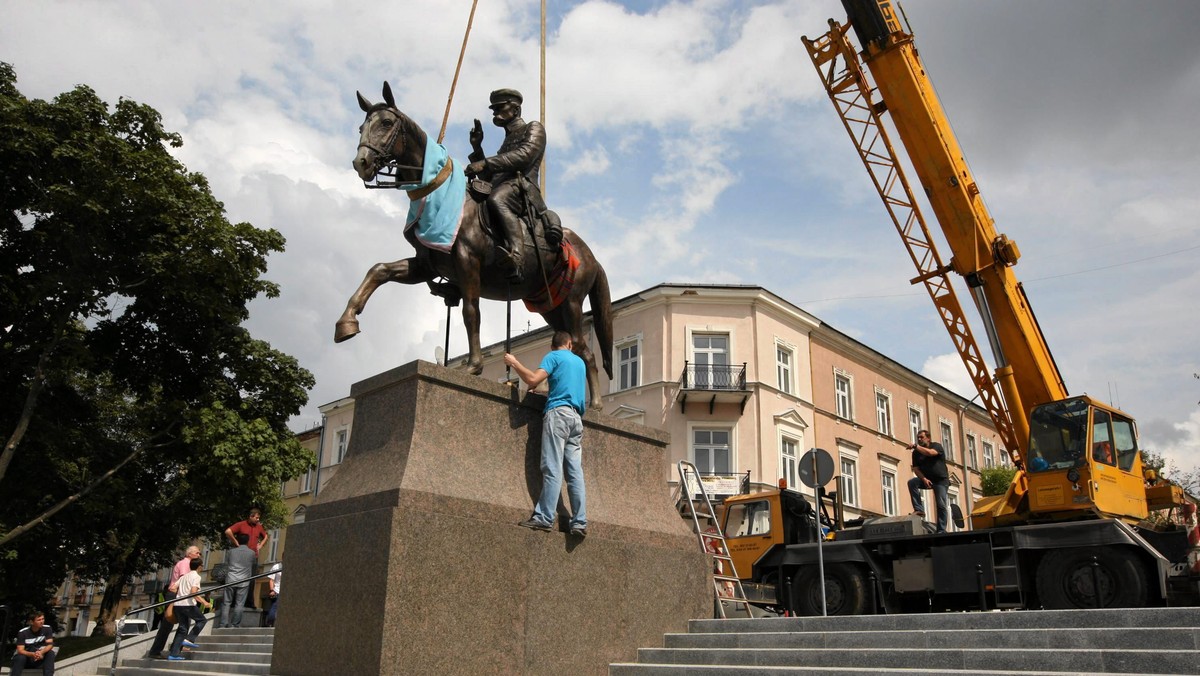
x=562 y=431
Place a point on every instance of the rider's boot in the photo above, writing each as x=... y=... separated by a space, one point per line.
x=514 y=262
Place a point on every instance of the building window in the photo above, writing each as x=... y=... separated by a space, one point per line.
x=952 y=494
x=842 y=396
x=914 y=422
x=947 y=440
x=788 y=457
x=783 y=368
x=883 y=412
x=972 y=458
x=710 y=352
x=711 y=451
x=887 y=479
x=629 y=364
x=274 y=556
x=1005 y=460
x=342 y=443
x=306 y=481
x=989 y=455
x=849 y=481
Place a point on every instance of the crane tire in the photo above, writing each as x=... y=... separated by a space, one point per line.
x=1065 y=578
x=845 y=590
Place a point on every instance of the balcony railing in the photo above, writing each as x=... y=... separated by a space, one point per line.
x=713 y=376
x=713 y=383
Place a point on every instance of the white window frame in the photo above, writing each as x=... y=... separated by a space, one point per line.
x=883 y=414
x=946 y=431
x=790 y=424
x=341 y=443
x=989 y=454
x=709 y=330
x=274 y=554
x=951 y=499
x=306 y=480
x=785 y=367
x=850 y=494
x=789 y=465
x=843 y=405
x=634 y=364
x=1005 y=458
x=889 y=495
x=972 y=454
x=714 y=426
x=915 y=426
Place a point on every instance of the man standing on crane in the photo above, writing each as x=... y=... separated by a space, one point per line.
x=929 y=465
x=517 y=162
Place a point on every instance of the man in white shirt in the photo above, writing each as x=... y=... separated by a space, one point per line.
x=186 y=612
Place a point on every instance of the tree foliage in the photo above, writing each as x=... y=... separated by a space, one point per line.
x=123 y=289
x=995 y=480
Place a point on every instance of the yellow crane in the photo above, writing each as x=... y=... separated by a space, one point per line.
x=1076 y=457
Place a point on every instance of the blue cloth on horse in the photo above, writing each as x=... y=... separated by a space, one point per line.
x=438 y=215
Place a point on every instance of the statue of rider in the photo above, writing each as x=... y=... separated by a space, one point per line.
x=520 y=155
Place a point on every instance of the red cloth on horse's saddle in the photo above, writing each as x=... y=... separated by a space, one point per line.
x=559 y=282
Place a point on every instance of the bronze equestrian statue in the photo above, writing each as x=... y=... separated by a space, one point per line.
x=454 y=240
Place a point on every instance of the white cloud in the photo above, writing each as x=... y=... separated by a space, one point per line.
x=590 y=162
x=948 y=371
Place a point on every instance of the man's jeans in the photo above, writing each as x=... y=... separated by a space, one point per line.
x=562 y=431
x=940 y=493
x=186 y=615
x=22 y=662
x=235 y=597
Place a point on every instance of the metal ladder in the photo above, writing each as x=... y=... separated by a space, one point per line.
x=728 y=577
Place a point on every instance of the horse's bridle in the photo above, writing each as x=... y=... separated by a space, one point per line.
x=386 y=165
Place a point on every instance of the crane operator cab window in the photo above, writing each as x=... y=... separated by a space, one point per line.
x=748 y=518
x=1124 y=442
x=1058 y=435
x=1102 y=447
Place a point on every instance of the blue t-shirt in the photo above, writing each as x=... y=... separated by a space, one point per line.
x=568 y=380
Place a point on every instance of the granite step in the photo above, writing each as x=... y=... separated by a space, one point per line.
x=1014 y=643
x=223 y=651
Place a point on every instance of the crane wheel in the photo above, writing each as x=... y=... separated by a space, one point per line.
x=1065 y=579
x=845 y=590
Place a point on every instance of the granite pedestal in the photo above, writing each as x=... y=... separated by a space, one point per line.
x=410 y=560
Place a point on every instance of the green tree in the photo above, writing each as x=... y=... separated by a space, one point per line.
x=136 y=410
x=995 y=480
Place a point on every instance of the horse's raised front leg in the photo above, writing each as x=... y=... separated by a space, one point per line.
x=407 y=271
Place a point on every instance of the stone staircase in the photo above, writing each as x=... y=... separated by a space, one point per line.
x=1148 y=641
x=222 y=651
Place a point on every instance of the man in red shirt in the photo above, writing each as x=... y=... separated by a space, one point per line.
x=182 y=567
x=253 y=529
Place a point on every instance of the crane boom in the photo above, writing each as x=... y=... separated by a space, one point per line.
x=1079 y=457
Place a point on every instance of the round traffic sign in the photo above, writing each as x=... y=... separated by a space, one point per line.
x=815 y=468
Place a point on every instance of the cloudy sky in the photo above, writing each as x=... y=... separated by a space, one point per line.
x=691 y=141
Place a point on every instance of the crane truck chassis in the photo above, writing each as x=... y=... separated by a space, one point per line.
x=897 y=564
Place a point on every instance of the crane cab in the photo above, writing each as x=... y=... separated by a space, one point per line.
x=1083 y=461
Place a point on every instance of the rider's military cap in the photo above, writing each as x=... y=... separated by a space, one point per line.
x=502 y=96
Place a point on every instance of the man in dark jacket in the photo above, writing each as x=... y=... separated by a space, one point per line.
x=519 y=156
x=929 y=466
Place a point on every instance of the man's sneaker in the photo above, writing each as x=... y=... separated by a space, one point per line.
x=189 y=644
x=156 y=656
x=579 y=531
x=535 y=524
x=176 y=658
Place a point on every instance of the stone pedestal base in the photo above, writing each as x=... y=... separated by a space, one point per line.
x=411 y=562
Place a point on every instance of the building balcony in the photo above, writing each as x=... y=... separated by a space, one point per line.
x=713 y=384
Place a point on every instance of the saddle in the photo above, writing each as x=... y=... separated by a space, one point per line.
x=534 y=214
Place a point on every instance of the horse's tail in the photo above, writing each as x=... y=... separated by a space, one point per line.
x=601 y=302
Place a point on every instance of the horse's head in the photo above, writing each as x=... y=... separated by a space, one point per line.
x=391 y=147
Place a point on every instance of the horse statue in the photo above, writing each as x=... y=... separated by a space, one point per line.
x=393 y=151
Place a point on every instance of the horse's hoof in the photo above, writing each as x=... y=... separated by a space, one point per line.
x=476 y=369
x=346 y=329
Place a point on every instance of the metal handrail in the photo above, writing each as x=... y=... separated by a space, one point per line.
x=713 y=376
x=121 y=622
